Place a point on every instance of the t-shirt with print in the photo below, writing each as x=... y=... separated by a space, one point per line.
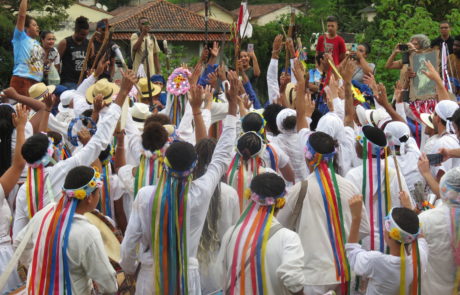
x=335 y=46
x=28 y=56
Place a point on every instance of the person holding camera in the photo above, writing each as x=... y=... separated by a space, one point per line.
x=417 y=43
x=362 y=66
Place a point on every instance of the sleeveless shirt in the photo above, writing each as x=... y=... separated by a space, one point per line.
x=72 y=60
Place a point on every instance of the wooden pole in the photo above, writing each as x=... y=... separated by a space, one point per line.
x=149 y=87
x=290 y=33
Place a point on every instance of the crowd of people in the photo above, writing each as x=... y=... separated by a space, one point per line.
x=189 y=184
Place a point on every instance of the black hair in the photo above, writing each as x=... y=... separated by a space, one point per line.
x=367 y=46
x=270 y=113
x=56 y=136
x=78 y=177
x=248 y=145
x=319 y=56
x=444 y=22
x=181 y=155
x=252 y=122
x=6 y=131
x=457 y=38
x=375 y=135
x=86 y=113
x=268 y=185
x=28 y=21
x=35 y=147
x=289 y=122
x=162 y=119
x=210 y=240
x=456 y=118
x=43 y=34
x=103 y=155
x=406 y=219
x=331 y=19
x=81 y=23
x=321 y=142
x=154 y=136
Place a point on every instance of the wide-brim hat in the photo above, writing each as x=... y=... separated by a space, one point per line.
x=140 y=112
x=377 y=117
x=291 y=93
x=111 y=244
x=427 y=119
x=104 y=87
x=39 y=90
x=144 y=88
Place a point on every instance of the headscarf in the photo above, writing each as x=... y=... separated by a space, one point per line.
x=445 y=109
x=397 y=133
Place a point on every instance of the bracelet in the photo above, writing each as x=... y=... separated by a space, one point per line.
x=196 y=114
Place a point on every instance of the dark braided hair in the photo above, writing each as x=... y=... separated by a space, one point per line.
x=210 y=240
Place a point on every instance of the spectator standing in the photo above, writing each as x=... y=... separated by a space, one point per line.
x=52 y=61
x=138 y=54
x=334 y=44
x=444 y=30
x=73 y=52
x=28 y=54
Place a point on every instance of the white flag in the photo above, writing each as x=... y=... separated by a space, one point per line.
x=244 y=27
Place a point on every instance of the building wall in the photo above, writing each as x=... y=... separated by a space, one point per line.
x=74 y=12
x=274 y=16
x=218 y=14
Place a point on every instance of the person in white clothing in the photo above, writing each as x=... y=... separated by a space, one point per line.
x=309 y=212
x=379 y=183
x=406 y=151
x=37 y=151
x=288 y=140
x=392 y=273
x=258 y=255
x=8 y=180
x=186 y=199
x=223 y=212
x=67 y=251
x=439 y=226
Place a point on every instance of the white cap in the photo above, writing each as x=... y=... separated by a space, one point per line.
x=139 y=112
x=445 y=109
x=67 y=97
x=287 y=112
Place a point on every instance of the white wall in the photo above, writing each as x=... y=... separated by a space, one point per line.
x=275 y=15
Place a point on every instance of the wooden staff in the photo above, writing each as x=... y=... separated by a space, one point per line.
x=89 y=50
x=397 y=169
x=148 y=72
x=290 y=33
x=105 y=43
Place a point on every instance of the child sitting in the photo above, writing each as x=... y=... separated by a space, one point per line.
x=388 y=273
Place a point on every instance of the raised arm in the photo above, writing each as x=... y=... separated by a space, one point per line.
x=391 y=63
x=255 y=63
x=20 y=24
x=196 y=100
x=9 y=179
x=433 y=74
x=301 y=107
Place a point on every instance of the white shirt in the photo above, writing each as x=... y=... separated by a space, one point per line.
x=383 y=270
x=355 y=175
x=56 y=174
x=319 y=268
x=447 y=141
x=283 y=262
x=86 y=255
x=5 y=218
x=200 y=193
x=439 y=277
x=288 y=143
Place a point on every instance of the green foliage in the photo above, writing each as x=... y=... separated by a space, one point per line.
x=6 y=49
x=177 y=58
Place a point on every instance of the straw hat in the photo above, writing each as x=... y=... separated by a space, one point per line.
x=104 y=87
x=427 y=119
x=144 y=87
x=291 y=93
x=39 y=90
x=111 y=244
x=139 y=112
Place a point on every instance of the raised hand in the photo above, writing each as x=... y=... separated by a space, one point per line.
x=84 y=136
x=101 y=66
x=208 y=95
x=49 y=100
x=20 y=117
x=98 y=103
x=196 y=97
x=299 y=71
x=277 y=45
x=431 y=72
x=356 y=205
x=215 y=49
x=309 y=104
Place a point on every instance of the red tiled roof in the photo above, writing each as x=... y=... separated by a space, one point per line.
x=121 y=9
x=165 y=17
x=264 y=9
x=177 y=36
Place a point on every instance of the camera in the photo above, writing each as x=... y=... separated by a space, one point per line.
x=403 y=47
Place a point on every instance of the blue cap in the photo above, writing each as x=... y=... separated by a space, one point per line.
x=59 y=89
x=100 y=24
x=158 y=78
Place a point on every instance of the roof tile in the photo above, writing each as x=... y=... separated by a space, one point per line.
x=264 y=9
